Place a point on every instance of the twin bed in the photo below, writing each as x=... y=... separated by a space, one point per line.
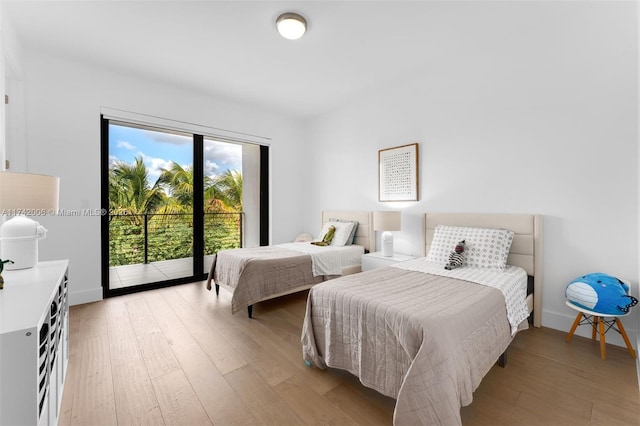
x=423 y=335
x=414 y=331
x=261 y=273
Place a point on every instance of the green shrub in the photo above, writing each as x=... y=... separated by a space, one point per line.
x=170 y=237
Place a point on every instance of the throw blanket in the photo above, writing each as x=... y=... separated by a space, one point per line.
x=423 y=339
x=512 y=282
x=255 y=274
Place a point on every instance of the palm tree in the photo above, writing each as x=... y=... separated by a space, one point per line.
x=180 y=183
x=221 y=194
x=229 y=187
x=166 y=201
x=130 y=192
x=211 y=192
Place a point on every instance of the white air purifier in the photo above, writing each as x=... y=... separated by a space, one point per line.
x=19 y=242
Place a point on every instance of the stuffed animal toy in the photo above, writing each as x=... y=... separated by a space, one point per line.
x=457 y=256
x=326 y=240
x=600 y=293
x=2 y=262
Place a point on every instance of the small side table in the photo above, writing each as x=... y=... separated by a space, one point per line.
x=599 y=322
x=377 y=260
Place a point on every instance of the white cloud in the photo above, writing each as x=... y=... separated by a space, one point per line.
x=125 y=145
x=113 y=160
x=154 y=166
x=222 y=155
x=210 y=168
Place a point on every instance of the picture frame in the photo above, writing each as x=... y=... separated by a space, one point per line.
x=398 y=173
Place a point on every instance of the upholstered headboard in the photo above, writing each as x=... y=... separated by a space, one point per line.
x=526 y=249
x=365 y=235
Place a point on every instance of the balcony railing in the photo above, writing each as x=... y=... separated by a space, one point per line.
x=152 y=237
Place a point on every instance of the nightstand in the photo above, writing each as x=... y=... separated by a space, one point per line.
x=377 y=260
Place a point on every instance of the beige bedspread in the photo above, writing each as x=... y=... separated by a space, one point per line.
x=253 y=274
x=423 y=339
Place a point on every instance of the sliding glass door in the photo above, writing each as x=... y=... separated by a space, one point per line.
x=174 y=200
x=222 y=194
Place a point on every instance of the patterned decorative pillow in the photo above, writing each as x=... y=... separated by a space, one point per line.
x=342 y=233
x=486 y=247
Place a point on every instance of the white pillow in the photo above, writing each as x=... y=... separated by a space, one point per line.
x=485 y=247
x=342 y=234
x=354 y=229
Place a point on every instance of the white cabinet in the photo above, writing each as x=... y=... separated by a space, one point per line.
x=377 y=260
x=34 y=343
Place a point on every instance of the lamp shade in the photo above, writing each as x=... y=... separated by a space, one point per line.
x=28 y=191
x=21 y=195
x=387 y=221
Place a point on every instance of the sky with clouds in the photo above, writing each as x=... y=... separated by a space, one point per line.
x=159 y=149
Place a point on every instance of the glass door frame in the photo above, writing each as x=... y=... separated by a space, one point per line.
x=198 y=200
x=198 y=219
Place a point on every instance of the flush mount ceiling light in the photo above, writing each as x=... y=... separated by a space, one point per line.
x=291 y=25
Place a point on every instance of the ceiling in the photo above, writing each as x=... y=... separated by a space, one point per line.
x=231 y=49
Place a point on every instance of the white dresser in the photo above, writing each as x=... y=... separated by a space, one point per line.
x=34 y=343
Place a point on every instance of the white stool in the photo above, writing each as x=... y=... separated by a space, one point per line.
x=599 y=320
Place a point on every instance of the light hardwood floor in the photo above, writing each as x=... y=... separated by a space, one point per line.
x=177 y=356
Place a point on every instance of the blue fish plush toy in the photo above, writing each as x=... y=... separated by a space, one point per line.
x=600 y=293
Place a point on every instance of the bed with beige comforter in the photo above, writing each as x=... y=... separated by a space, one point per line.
x=259 y=273
x=426 y=340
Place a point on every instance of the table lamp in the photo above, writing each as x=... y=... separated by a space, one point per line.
x=23 y=194
x=387 y=221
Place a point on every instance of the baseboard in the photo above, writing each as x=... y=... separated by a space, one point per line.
x=85 y=296
x=563 y=322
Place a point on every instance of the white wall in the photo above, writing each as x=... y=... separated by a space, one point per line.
x=11 y=84
x=2 y=87
x=536 y=115
x=63 y=132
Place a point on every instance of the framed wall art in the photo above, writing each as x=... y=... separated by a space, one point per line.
x=398 y=173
